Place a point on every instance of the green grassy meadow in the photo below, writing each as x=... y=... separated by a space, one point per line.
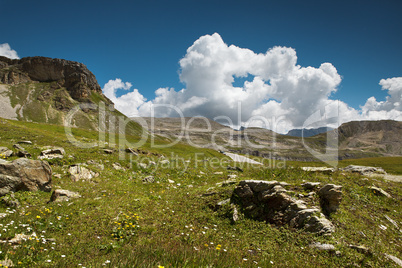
x=122 y=222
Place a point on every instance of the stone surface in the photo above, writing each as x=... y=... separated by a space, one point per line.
x=21 y=151
x=23 y=154
x=324 y=247
x=108 y=151
x=222 y=203
x=142 y=165
x=7 y=263
x=394 y=259
x=380 y=192
x=78 y=172
x=226 y=183
x=148 y=179
x=5 y=152
x=319 y=169
x=74 y=76
x=361 y=249
x=60 y=195
x=10 y=200
x=268 y=201
x=364 y=170
x=26 y=175
x=310 y=185
x=25 y=142
x=330 y=198
x=117 y=166
x=50 y=152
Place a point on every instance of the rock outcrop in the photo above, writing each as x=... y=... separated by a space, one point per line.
x=25 y=174
x=78 y=173
x=60 y=195
x=50 y=152
x=269 y=201
x=5 y=152
x=330 y=198
x=74 y=76
x=364 y=170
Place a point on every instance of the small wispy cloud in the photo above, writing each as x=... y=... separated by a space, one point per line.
x=6 y=51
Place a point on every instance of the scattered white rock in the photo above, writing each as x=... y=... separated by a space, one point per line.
x=6 y=263
x=392 y=221
x=5 y=152
x=324 y=247
x=108 y=151
x=148 y=179
x=380 y=192
x=142 y=165
x=364 y=170
x=25 y=142
x=319 y=169
x=117 y=166
x=394 y=259
x=78 y=172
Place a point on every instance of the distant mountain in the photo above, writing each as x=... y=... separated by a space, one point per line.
x=308 y=132
x=383 y=136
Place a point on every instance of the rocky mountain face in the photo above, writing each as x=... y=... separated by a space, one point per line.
x=56 y=91
x=74 y=76
x=355 y=140
x=382 y=136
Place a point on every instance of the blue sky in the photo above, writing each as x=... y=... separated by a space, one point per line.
x=142 y=42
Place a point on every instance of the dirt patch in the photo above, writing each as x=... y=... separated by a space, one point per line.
x=6 y=111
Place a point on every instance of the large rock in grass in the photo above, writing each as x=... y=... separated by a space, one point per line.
x=268 y=201
x=80 y=173
x=26 y=175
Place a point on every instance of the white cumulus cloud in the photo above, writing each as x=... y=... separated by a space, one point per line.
x=6 y=51
x=391 y=108
x=280 y=95
x=127 y=103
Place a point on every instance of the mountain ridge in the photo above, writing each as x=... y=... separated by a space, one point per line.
x=56 y=91
x=308 y=132
x=74 y=76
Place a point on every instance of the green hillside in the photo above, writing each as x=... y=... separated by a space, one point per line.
x=120 y=221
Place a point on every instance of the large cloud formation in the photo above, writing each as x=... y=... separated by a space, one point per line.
x=275 y=93
x=6 y=51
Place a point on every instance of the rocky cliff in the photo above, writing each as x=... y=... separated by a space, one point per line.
x=46 y=90
x=383 y=136
x=74 y=76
